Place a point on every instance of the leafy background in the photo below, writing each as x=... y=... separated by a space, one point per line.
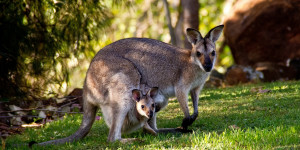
x=46 y=46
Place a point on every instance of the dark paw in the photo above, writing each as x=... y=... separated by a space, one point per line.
x=188 y=121
x=182 y=130
x=31 y=143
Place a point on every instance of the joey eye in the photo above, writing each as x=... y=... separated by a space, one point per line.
x=198 y=54
x=213 y=53
x=143 y=106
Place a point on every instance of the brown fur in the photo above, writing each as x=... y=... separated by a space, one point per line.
x=120 y=67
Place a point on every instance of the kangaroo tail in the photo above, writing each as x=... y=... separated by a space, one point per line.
x=88 y=119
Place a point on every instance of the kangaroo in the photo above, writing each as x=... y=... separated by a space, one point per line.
x=120 y=67
x=113 y=89
x=144 y=109
x=175 y=71
x=137 y=116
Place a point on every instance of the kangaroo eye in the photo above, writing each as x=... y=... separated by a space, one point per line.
x=153 y=105
x=198 y=54
x=213 y=53
x=143 y=106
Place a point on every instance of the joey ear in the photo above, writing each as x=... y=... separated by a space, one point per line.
x=136 y=95
x=193 y=35
x=153 y=92
x=215 y=33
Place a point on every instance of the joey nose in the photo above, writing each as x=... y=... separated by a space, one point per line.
x=150 y=114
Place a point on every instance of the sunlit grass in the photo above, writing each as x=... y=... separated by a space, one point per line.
x=229 y=118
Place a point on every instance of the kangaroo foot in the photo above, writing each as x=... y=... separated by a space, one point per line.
x=187 y=122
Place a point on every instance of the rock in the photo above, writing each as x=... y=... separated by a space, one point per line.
x=215 y=80
x=295 y=64
x=42 y=114
x=66 y=109
x=264 y=31
x=16 y=121
x=17 y=110
x=274 y=71
x=77 y=93
x=240 y=74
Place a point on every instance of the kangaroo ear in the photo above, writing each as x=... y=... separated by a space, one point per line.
x=193 y=35
x=136 y=95
x=215 y=33
x=153 y=92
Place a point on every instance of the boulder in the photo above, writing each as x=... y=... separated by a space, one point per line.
x=263 y=31
x=237 y=74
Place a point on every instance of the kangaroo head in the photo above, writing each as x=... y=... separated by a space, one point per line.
x=145 y=104
x=204 y=49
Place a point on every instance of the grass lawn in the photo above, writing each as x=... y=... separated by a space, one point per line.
x=229 y=118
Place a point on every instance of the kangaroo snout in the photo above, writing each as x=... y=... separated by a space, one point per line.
x=150 y=114
x=207 y=67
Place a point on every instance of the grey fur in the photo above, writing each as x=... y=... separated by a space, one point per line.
x=120 y=67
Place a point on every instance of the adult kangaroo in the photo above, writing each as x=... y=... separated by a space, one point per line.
x=120 y=67
x=175 y=71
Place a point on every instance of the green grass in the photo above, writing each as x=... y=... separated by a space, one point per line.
x=261 y=121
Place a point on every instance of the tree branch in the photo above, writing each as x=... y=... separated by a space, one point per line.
x=168 y=17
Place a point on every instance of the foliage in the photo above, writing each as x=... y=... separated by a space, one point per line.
x=48 y=44
x=229 y=118
x=42 y=40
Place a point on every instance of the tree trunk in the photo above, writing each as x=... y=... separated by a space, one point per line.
x=188 y=18
x=169 y=21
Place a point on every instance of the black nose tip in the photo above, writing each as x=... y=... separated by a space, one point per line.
x=207 y=68
x=151 y=114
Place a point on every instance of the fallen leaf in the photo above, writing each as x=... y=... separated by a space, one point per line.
x=60 y=100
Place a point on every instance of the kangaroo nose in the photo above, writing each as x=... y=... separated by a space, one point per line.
x=207 y=67
x=151 y=114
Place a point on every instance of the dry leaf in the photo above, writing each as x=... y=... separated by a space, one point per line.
x=60 y=100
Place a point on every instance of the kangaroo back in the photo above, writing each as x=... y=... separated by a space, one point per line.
x=156 y=61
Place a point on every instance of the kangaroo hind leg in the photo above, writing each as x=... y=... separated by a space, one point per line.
x=118 y=116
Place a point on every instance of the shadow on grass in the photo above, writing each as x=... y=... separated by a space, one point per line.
x=219 y=110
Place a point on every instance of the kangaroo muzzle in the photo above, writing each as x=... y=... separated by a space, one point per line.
x=207 y=65
x=150 y=114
